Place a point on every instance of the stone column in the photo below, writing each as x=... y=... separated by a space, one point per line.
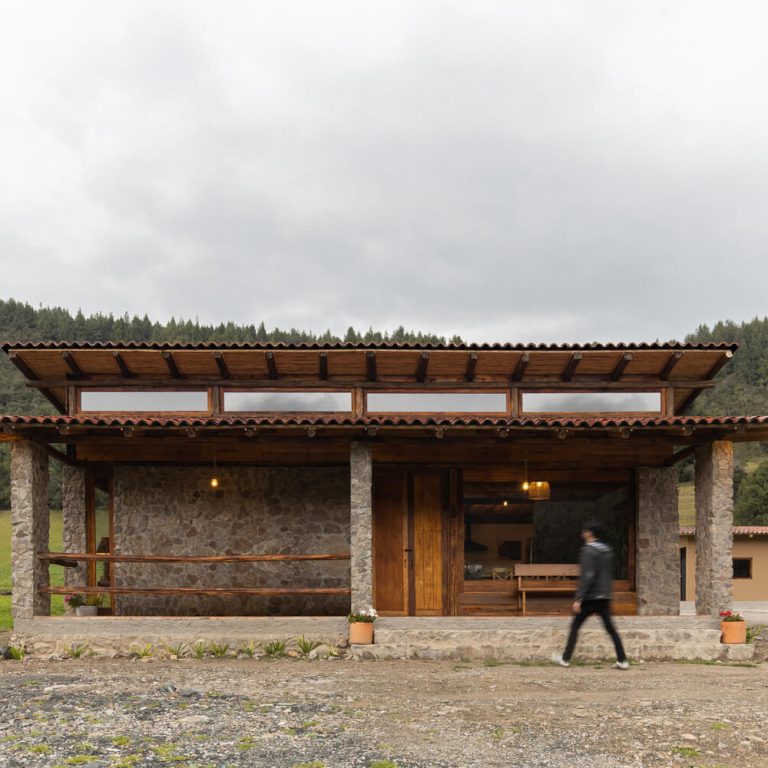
x=30 y=523
x=361 y=524
x=714 y=527
x=73 y=519
x=658 y=536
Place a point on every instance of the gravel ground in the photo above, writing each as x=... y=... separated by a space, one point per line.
x=338 y=713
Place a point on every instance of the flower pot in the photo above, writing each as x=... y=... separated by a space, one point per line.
x=733 y=632
x=86 y=610
x=361 y=632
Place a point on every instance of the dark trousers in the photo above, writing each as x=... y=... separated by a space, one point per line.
x=603 y=609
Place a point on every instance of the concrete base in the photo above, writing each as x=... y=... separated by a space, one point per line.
x=509 y=639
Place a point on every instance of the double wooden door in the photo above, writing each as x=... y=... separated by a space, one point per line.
x=416 y=538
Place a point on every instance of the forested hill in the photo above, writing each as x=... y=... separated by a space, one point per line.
x=743 y=388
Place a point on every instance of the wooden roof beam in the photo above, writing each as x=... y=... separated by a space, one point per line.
x=370 y=366
x=323 y=366
x=573 y=364
x=670 y=365
x=522 y=364
x=221 y=364
x=77 y=371
x=421 y=368
x=471 y=366
x=28 y=373
x=170 y=362
x=618 y=370
x=122 y=365
x=715 y=369
x=271 y=365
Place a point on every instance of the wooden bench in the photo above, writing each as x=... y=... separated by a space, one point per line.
x=556 y=578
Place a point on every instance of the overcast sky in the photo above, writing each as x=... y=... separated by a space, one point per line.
x=527 y=171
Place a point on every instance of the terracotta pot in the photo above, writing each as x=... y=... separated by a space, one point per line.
x=734 y=632
x=86 y=610
x=361 y=632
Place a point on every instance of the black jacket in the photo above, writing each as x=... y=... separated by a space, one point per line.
x=596 y=561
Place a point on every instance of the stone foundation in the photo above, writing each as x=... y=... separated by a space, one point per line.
x=361 y=495
x=73 y=521
x=257 y=510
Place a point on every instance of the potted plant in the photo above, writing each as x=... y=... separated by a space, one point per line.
x=733 y=628
x=84 y=606
x=361 y=625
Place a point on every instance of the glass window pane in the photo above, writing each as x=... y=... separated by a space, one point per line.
x=304 y=402
x=91 y=400
x=437 y=402
x=591 y=402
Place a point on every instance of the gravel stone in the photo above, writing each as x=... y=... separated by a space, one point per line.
x=225 y=713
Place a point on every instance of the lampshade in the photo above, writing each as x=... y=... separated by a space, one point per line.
x=538 y=490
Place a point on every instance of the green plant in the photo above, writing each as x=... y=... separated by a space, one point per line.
x=39 y=749
x=199 y=649
x=730 y=616
x=146 y=651
x=74 y=601
x=18 y=652
x=754 y=631
x=365 y=615
x=246 y=742
x=492 y=663
x=76 y=650
x=313 y=764
x=177 y=649
x=685 y=751
x=306 y=646
x=97 y=599
x=249 y=650
x=219 y=650
x=274 y=649
x=121 y=741
x=382 y=764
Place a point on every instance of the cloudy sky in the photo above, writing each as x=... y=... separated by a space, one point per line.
x=528 y=171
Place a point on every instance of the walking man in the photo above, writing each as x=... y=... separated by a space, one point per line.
x=594 y=593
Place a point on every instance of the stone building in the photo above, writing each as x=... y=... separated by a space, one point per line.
x=302 y=479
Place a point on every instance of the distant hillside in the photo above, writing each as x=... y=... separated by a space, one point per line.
x=743 y=386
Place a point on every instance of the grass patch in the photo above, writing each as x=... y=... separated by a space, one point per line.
x=57 y=571
x=685 y=751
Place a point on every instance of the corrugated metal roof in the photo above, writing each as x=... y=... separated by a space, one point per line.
x=216 y=345
x=738 y=530
x=289 y=420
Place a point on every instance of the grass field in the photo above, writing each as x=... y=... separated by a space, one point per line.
x=57 y=572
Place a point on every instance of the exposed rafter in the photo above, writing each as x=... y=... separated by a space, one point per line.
x=170 y=362
x=122 y=365
x=618 y=370
x=670 y=365
x=28 y=373
x=471 y=366
x=715 y=369
x=221 y=363
x=370 y=366
x=573 y=364
x=421 y=367
x=77 y=371
x=522 y=364
x=271 y=365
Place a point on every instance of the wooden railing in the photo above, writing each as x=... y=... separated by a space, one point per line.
x=71 y=559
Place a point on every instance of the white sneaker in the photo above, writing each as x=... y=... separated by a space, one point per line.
x=621 y=665
x=558 y=659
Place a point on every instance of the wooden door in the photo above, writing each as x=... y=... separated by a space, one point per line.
x=415 y=542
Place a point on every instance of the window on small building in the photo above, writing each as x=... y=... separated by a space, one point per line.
x=591 y=402
x=297 y=402
x=742 y=567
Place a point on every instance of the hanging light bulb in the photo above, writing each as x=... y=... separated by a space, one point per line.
x=214 y=482
x=214 y=477
x=526 y=484
x=505 y=503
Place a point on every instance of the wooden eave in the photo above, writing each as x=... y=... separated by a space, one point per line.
x=53 y=367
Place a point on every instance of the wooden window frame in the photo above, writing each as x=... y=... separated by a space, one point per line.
x=506 y=391
x=661 y=391
x=283 y=390
x=207 y=412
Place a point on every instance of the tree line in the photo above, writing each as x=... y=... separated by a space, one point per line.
x=742 y=387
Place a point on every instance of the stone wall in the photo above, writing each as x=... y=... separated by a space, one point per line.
x=658 y=531
x=257 y=510
x=30 y=523
x=361 y=495
x=714 y=521
x=73 y=521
